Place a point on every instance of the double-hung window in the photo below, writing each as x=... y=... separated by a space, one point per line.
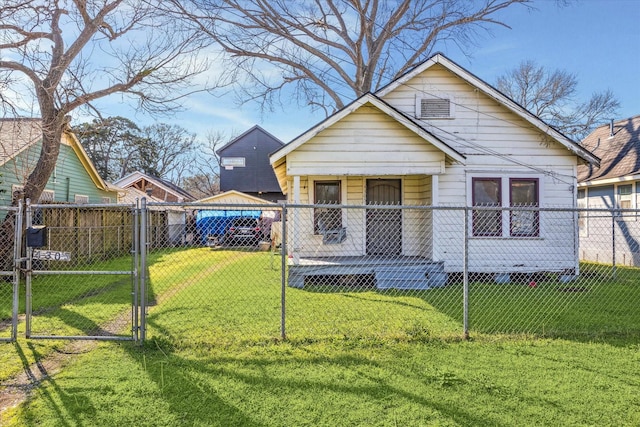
x=524 y=194
x=325 y=218
x=500 y=193
x=487 y=192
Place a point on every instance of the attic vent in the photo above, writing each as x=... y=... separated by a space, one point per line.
x=434 y=108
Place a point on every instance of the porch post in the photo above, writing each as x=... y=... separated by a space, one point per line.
x=435 y=190
x=295 y=216
x=435 y=214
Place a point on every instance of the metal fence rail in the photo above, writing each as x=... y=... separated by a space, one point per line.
x=394 y=271
x=260 y=272
x=80 y=280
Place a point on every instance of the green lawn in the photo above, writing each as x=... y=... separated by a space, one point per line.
x=352 y=358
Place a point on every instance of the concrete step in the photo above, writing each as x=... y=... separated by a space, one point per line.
x=411 y=277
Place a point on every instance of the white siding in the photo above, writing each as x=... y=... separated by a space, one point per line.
x=367 y=142
x=495 y=142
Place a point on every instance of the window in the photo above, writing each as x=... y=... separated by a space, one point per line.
x=106 y=200
x=500 y=192
x=487 y=192
x=434 y=107
x=524 y=193
x=81 y=199
x=46 y=196
x=625 y=196
x=327 y=193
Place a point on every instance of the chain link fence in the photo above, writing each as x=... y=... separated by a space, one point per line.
x=10 y=239
x=405 y=272
x=80 y=279
x=227 y=273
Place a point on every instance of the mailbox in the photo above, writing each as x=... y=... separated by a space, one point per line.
x=37 y=236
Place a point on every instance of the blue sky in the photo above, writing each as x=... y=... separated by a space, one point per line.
x=598 y=40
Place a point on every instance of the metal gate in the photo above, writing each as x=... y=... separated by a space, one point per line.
x=10 y=239
x=81 y=272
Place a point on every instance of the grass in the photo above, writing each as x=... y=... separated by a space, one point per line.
x=214 y=357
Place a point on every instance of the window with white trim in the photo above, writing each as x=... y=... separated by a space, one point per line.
x=81 y=199
x=625 y=199
x=46 y=196
x=503 y=192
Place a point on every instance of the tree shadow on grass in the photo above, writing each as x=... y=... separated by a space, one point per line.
x=180 y=379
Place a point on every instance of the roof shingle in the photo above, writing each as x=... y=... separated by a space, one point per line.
x=618 y=149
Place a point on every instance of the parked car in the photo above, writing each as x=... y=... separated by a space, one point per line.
x=242 y=231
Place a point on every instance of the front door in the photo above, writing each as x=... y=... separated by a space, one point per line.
x=384 y=226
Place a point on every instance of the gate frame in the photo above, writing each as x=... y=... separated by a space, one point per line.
x=15 y=272
x=133 y=273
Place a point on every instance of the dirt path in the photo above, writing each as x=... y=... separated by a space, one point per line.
x=16 y=390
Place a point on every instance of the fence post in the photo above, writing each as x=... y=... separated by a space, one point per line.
x=465 y=273
x=28 y=276
x=143 y=269
x=613 y=243
x=17 y=260
x=283 y=273
x=135 y=240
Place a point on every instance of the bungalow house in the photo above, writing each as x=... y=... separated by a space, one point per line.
x=175 y=229
x=611 y=237
x=74 y=179
x=159 y=188
x=437 y=136
x=244 y=165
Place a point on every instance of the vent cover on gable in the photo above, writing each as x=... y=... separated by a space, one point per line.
x=434 y=108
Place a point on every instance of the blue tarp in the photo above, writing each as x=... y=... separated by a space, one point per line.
x=215 y=222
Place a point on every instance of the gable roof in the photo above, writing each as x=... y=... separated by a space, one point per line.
x=159 y=182
x=256 y=128
x=618 y=146
x=233 y=196
x=492 y=92
x=381 y=105
x=18 y=134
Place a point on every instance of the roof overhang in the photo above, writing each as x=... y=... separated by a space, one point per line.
x=279 y=156
x=609 y=181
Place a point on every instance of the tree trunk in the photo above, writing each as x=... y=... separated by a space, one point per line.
x=52 y=129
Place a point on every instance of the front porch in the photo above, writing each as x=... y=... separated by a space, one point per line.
x=398 y=272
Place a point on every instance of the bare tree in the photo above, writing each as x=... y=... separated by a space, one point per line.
x=551 y=95
x=74 y=52
x=206 y=181
x=331 y=51
x=167 y=150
